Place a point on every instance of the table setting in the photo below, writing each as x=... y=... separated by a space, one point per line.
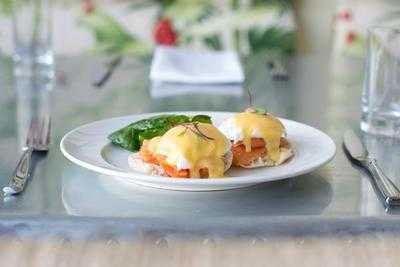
x=323 y=177
x=187 y=143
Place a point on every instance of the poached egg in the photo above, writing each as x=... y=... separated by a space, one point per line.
x=244 y=126
x=193 y=147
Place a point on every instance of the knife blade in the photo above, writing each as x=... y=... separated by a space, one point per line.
x=354 y=146
x=358 y=153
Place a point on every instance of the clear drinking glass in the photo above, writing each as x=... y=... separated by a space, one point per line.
x=32 y=28
x=381 y=95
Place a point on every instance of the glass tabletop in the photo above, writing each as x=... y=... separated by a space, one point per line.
x=61 y=189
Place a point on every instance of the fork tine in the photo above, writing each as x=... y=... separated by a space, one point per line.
x=41 y=131
x=45 y=131
x=36 y=132
x=30 y=135
x=48 y=131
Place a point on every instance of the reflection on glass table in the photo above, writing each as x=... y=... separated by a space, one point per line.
x=305 y=195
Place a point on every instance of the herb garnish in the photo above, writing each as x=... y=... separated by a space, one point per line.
x=196 y=130
x=251 y=109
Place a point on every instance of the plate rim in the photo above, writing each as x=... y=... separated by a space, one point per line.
x=134 y=175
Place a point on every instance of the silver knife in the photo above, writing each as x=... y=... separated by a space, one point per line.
x=389 y=192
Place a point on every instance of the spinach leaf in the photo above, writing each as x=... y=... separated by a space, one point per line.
x=132 y=136
x=201 y=118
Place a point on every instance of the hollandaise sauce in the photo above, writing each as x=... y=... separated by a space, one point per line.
x=194 y=147
x=265 y=126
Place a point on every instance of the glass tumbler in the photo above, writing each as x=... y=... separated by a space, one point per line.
x=32 y=34
x=381 y=92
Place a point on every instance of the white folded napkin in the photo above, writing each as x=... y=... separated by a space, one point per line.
x=197 y=67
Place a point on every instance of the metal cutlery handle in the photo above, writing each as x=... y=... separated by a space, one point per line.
x=389 y=191
x=21 y=174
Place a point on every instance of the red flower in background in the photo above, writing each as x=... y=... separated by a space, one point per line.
x=345 y=15
x=87 y=6
x=350 y=36
x=164 y=32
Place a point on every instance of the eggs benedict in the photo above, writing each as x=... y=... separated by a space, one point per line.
x=258 y=139
x=190 y=150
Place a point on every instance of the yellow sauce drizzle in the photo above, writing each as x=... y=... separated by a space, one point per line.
x=215 y=166
x=267 y=126
x=199 y=151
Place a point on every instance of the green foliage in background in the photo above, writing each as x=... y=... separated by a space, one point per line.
x=6 y=6
x=272 y=39
x=110 y=36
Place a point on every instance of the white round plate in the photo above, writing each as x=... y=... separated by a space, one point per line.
x=89 y=147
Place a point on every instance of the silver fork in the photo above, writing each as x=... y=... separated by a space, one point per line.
x=38 y=140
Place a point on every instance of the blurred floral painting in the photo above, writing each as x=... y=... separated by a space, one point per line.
x=248 y=26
